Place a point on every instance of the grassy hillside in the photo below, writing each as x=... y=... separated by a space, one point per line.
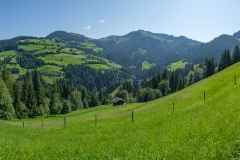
x=177 y=65
x=58 y=53
x=194 y=130
x=146 y=65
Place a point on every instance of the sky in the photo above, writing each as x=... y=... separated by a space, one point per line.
x=199 y=20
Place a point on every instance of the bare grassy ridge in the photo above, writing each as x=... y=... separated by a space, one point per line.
x=194 y=130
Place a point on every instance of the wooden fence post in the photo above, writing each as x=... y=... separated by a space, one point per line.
x=64 y=122
x=173 y=108
x=95 y=119
x=42 y=123
x=132 y=116
x=204 y=96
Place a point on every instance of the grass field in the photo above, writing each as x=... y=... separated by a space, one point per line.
x=49 y=68
x=31 y=47
x=146 y=65
x=90 y=45
x=193 y=130
x=99 y=66
x=63 y=59
x=8 y=53
x=178 y=65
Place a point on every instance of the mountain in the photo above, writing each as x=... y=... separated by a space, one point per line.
x=214 y=48
x=65 y=36
x=140 y=45
x=134 y=48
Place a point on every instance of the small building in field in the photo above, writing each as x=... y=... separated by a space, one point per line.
x=118 y=101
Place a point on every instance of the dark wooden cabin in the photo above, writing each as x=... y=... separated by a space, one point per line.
x=118 y=101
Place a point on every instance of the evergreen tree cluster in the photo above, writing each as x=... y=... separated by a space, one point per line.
x=93 y=80
x=6 y=45
x=158 y=86
x=29 y=61
x=227 y=59
x=29 y=97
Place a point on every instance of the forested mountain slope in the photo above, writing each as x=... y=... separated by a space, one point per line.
x=214 y=48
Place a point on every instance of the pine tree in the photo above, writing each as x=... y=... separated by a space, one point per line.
x=38 y=88
x=75 y=100
x=210 y=67
x=236 y=55
x=100 y=96
x=66 y=107
x=85 y=103
x=171 y=82
x=165 y=75
x=7 y=79
x=228 y=57
x=31 y=102
x=94 y=101
x=7 y=111
x=20 y=108
x=25 y=87
x=155 y=82
x=55 y=106
x=176 y=80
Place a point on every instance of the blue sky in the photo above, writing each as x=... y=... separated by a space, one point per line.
x=199 y=20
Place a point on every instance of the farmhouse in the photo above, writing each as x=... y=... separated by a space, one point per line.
x=118 y=101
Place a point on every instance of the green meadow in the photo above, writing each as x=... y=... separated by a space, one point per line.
x=146 y=65
x=178 y=65
x=179 y=126
x=31 y=47
x=8 y=53
x=47 y=68
x=63 y=59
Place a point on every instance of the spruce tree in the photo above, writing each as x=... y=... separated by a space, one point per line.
x=66 y=107
x=100 y=96
x=20 y=109
x=236 y=55
x=228 y=57
x=94 y=101
x=55 y=106
x=25 y=87
x=171 y=82
x=165 y=75
x=75 y=100
x=7 y=79
x=37 y=87
x=31 y=102
x=7 y=111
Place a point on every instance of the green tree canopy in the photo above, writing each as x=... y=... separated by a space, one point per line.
x=7 y=111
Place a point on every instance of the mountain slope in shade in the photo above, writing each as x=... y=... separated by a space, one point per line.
x=138 y=46
x=214 y=48
x=65 y=36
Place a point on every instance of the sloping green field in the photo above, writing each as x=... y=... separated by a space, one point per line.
x=178 y=65
x=146 y=65
x=194 y=130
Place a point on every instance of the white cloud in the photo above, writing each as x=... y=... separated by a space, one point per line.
x=102 y=21
x=88 y=27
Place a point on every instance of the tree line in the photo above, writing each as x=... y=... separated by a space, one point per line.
x=29 y=96
x=168 y=82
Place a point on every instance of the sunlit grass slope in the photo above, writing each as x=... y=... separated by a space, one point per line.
x=194 y=130
x=178 y=65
